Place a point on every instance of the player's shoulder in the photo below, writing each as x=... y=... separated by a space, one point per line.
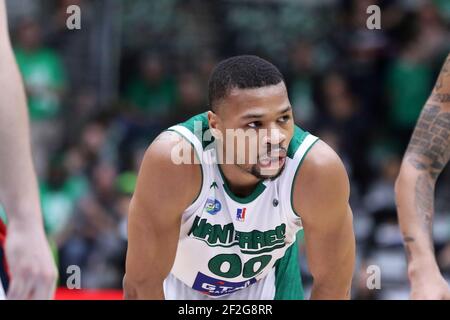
x=166 y=141
x=322 y=159
x=171 y=150
x=322 y=175
x=321 y=185
x=161 y=172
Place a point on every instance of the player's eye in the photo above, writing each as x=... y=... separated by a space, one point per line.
x=284 y=119
x=254 y=124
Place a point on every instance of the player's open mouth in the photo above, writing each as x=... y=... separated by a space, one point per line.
x=268 y=161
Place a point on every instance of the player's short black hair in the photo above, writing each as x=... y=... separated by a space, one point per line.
x=242 y=72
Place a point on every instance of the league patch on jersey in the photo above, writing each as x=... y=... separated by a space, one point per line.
x=216 y=287
x=212 y=206
x=240 y=214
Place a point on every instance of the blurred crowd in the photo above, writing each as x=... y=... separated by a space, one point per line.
x=97 y=99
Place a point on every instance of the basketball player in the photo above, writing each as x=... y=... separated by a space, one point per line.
x=220 y=229
x=29 y=261
x=427 y=154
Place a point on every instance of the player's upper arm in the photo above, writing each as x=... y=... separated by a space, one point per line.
x=321 y=195
x=164 y=190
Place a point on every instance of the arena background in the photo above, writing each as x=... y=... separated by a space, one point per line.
x=98 y=96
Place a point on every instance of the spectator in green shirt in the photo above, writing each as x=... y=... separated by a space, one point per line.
x=45 y=81
x=42 y=71
x=152 y=92
x=409 y=80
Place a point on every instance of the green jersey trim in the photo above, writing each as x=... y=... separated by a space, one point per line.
x=198 y=157
x=190 y=125
x=295 y=176
x=296 y=141
x=288 y=280
x=260 y=187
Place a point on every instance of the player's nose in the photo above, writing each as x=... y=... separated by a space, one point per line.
x=274 y=137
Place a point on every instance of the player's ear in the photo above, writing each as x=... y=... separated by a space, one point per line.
x=214 y=124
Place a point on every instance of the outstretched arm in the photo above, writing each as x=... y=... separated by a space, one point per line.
x=427 y=154
x=33 y=273
x=321 y=199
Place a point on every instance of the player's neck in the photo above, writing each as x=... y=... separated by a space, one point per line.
x=239 y=182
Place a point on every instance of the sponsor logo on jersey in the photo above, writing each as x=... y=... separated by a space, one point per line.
x=217 y=287
x=213 y=185
x=252 y=242
x=212 y=206
x=240 y=214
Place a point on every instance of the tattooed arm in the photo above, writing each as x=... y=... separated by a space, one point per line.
x=427 y=154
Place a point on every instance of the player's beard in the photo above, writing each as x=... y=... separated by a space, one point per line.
x=256 y=172
x=260 y=169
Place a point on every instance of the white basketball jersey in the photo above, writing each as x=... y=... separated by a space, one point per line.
x=229 y=244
